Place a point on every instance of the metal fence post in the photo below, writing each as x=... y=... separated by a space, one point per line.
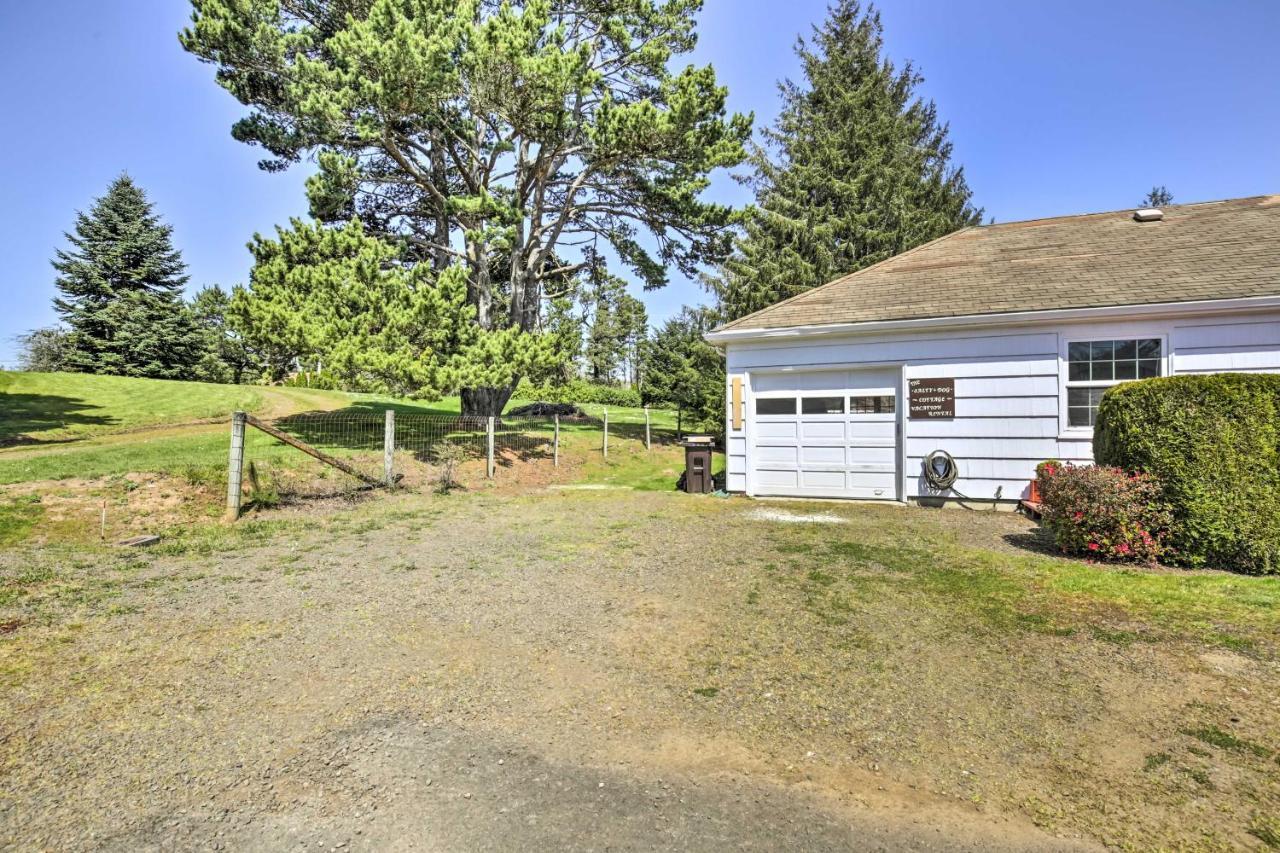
x=606 y=432
x=646 y=427
x=489 y=451
x=555 y=445
x=235 y=466
x=389 y=449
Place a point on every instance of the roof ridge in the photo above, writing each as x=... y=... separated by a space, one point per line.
x=1124 y=210
x=843 y=278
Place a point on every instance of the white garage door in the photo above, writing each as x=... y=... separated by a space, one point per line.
x=825 y=434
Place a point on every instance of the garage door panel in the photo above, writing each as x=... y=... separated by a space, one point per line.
x=877 y=428
x=769 y=479
x=829 y=430
x=871 y=455
x=780 y=456
x=834 y=455
x=825 y=480
x=776 y=429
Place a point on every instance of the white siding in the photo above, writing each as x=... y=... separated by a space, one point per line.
x=1009 y=387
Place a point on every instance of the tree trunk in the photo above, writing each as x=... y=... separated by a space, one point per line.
x=483 y=402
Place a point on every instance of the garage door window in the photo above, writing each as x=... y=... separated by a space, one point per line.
x=879 y=405
x=822 y=405
x=775 y=405
x=1094 y=366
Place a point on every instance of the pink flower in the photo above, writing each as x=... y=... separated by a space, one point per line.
x=1093 y=546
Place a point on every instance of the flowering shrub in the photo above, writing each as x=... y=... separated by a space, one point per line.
x=1101 y=512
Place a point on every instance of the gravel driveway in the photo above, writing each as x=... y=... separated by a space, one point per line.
x=567 y=670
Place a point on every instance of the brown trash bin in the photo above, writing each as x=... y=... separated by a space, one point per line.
x=697 y=464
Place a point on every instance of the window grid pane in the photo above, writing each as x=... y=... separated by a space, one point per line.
x=1110 y=362
x=822 y=405
x=775 y=405
x=872 y=405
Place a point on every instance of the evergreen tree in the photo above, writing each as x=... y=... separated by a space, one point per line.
x=1157 y=197
x=633 y=328
x=603 y=299
x=563 y=328
x=682 y=370
x=121 y=283
x=346 y=299
x=43 y=350
x=856 y=169
x=227 y=357
x=492 y=136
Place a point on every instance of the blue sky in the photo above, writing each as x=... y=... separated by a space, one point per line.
x=1054 y=109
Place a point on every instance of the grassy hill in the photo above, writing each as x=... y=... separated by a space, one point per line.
x=41 y=408
x=61 y=425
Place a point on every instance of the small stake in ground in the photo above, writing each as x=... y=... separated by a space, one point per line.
x=555 y=445
x=646 y=427
x=489 y=447
x=606 y=432
x=389 y=449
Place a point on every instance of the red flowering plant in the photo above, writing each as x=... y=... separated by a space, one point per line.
x=1104 y=513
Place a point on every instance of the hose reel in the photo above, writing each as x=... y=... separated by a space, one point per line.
x=940 y=470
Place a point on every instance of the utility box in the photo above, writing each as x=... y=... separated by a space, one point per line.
x=697 y=464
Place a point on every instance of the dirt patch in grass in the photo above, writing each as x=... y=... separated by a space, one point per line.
x=587 y=659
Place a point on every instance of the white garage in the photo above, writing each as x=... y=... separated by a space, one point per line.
x=832 y=433
x=993 y=346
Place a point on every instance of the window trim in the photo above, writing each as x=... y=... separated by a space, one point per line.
x=1127 y=333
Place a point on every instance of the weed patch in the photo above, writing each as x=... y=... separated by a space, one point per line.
x=1215 y=736
x=17 y=517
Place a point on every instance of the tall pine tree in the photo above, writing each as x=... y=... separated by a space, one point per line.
x=855 y=170
x=121 y=283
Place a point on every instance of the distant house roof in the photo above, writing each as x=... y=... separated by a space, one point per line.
x=1214 y=250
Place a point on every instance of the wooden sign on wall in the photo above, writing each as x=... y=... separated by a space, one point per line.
x=931 y=398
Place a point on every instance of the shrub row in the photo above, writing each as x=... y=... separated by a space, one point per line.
x=579 y=391
x=1206 y=454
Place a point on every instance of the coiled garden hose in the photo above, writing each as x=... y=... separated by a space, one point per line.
x=940 y=470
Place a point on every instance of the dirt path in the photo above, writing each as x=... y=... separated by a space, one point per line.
x=551 y=672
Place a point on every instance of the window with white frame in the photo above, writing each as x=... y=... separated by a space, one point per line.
x=1094 y=366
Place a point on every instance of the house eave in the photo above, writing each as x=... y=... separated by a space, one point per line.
x=1013 y=318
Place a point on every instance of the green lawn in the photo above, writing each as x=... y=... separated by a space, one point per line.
x=40 y=408
x=56 y=425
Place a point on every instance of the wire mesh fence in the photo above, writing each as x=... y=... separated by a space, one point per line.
x=377 y=446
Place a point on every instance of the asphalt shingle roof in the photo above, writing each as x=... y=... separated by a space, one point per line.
x=1214 y=250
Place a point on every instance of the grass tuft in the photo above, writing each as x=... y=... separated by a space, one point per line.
x=1215 y=736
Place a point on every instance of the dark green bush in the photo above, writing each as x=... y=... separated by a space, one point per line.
x=1213 y=442
x=580 y=391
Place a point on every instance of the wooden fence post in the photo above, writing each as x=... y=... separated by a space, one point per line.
x=646 y=427
x=489 y=447
x=235 y=466
x=389 y=449
x=606 y=432
x=555 y=445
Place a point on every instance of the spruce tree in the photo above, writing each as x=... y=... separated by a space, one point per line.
x=855 y=170
x=121 y=283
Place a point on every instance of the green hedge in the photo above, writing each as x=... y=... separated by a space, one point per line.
x=579 y=391
x=1214 y=444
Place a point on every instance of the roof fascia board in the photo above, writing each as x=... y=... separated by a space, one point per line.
x=1015 y=318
